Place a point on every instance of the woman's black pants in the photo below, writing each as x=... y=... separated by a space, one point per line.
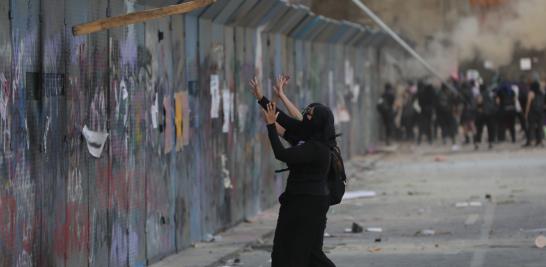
x=299 y=234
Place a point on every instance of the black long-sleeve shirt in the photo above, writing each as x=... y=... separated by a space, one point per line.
x=283 y=119
x=309 y=163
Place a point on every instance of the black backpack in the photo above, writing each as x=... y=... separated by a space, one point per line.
x=337 y=179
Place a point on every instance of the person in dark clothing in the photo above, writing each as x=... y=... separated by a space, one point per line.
x=444 y=114
x=468 y=116
x=486 y=109
x=426 y=97
x=507 y=111
x=535 y=115
x=305 y=202
x=409 y=115
x=386 y=110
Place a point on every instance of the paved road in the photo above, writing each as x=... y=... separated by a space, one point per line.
x=418 y=189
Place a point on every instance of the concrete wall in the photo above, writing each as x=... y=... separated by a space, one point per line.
x=171 y=171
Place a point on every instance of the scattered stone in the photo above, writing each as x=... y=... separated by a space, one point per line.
x=357 y=228
x=540 y=241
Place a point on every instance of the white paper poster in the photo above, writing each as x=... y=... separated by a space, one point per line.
x=227 y=100
x=95 y=141
x=154 y=112
x=215 y=96
x=356 y=92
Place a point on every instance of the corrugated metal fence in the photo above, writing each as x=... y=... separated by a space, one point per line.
x=182 y=158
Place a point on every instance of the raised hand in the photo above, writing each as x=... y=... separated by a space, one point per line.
x=280 y=84
x=255 y=88
x=270 y=115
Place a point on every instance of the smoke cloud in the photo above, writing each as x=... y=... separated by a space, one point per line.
x=493 y=37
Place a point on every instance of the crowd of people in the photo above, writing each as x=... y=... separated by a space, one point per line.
x=460 y=110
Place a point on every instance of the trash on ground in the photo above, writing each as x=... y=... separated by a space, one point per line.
x=427 y=232
x=327 y=234
x=348 y=230
x=374 y=250
x=374 y=230
x=212 y=238
x=358 y=194
x=540 y=241
x=468 y=204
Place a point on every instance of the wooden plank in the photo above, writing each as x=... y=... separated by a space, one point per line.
x=139 y=16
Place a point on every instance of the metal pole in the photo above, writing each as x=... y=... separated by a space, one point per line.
x=401 y=41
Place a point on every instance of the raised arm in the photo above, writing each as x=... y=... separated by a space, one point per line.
x=293 y=110
x=296 y=154
x=283 y=119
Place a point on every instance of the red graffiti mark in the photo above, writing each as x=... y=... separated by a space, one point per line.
x=7 y=221
x=72 y=235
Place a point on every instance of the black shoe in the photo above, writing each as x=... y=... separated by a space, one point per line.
x=526 y=145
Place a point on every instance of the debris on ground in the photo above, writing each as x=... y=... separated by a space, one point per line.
x=374 y=230
x=212 y=238
x=327 y=235
x=427 y=232
x=232 y=262
x=440 y=158
x=356 y=228
x=374 y=250
x=468 y=204
x=358 y=194
x=540 y=241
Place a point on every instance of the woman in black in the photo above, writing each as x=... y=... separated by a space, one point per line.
x=304 y=204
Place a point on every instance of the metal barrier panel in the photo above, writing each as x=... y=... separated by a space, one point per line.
x=124 y=146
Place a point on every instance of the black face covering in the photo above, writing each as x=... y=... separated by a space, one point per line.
x=319 y=128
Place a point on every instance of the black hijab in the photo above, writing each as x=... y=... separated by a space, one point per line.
x=320 y=128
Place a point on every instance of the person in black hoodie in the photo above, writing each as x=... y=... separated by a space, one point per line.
x=305 y=202
x=535 y=115
x=427 y=97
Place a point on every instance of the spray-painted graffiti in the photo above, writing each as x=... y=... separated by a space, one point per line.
x=124 y=146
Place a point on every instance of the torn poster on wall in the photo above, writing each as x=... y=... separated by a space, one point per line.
x=169 y=129
x=154 y=111
x=225 y=172
x=95 y=141
x=215 y=96
x=227 y=104
x=182 y=120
